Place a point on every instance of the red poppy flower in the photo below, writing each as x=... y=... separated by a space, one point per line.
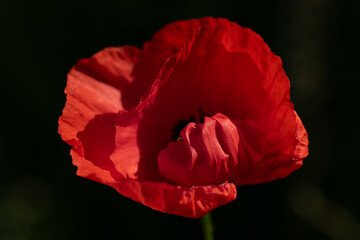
x=203 y=107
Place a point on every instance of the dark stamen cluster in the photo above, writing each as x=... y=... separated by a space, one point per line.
x=183 y=123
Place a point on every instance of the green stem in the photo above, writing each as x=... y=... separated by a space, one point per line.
x=207 y=227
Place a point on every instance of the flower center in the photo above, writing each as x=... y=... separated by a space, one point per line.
x=183 y=123
x=207 y=153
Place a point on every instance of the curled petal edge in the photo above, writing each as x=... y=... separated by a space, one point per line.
x=301 y=149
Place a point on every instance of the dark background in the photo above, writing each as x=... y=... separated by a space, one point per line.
x=42 y=198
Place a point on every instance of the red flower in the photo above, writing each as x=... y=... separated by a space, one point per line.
x=203 y=107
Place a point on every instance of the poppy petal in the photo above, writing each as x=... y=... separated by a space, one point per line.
x=88 y=119
x=192 y=202
x=91 y=88
x=165 y=42
x=112 y=65
x=281 y=156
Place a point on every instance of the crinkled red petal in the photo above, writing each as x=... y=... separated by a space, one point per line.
x=284 y=148
x=166 y=42
x=93 y=100
x=193 y=202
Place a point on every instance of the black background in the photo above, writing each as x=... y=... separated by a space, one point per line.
x=42 y=198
